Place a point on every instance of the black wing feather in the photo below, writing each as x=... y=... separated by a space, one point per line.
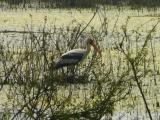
x=77 y=56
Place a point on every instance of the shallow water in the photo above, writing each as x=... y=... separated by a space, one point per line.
x=19 y=19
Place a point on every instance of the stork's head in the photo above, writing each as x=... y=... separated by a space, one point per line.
x=91 y=41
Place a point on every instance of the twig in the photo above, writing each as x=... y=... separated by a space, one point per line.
x=84 y=28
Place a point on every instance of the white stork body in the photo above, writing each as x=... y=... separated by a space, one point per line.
x=75 y=56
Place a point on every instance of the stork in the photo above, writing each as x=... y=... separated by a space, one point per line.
x=75 y=56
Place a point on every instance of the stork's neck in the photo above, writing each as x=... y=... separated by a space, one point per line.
x=88 y=48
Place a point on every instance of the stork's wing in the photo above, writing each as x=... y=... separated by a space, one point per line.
x=71 y=58
x=76 y=54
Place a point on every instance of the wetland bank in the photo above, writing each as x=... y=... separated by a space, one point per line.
x=31 y=39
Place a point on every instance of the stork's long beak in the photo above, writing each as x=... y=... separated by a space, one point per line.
x=97 y=49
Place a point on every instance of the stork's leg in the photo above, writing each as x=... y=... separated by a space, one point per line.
x=62 y=73
x=72 y=70
x=70 y=74
x=76 y=70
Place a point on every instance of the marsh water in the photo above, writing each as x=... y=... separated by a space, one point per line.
x=19 y=19
x=24 y=20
